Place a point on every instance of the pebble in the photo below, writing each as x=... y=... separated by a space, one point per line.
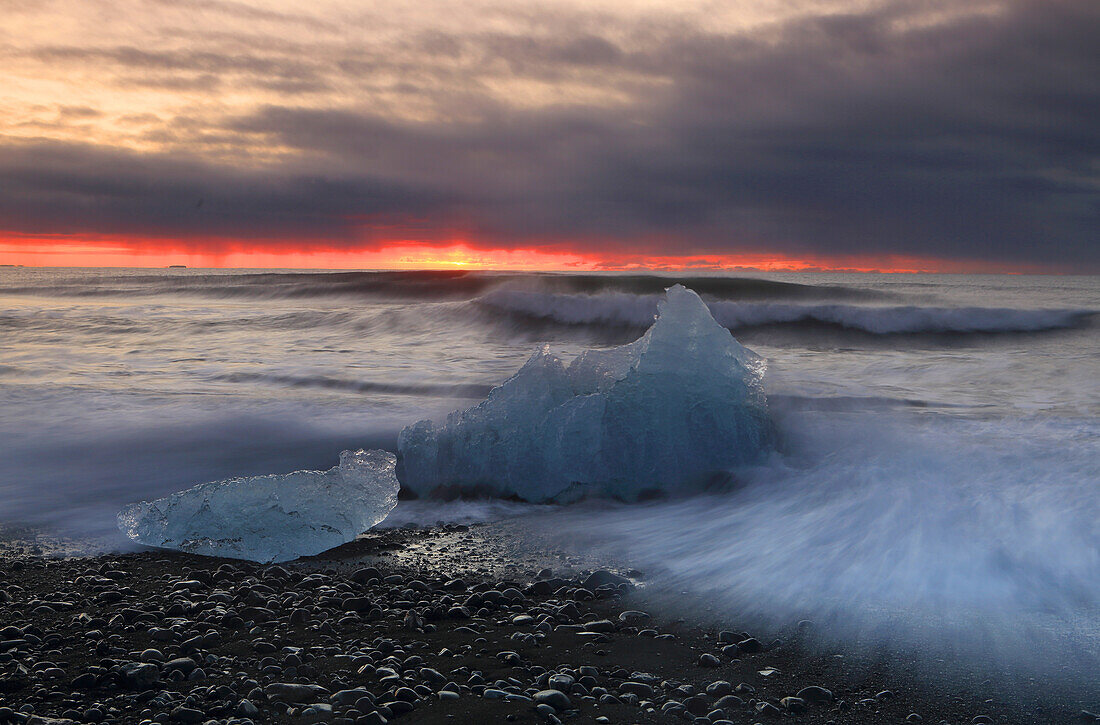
x=813 y=693
x=750 y=645
x=640 y=689
x=247 y=709
x=554 y=698
x=718 y=688
x=709 y=660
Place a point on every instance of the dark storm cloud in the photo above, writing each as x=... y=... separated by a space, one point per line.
x=65 y=188
x=889 y=131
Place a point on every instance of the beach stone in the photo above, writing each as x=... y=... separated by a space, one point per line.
x=357 y=604
x=513 y=595
x=600 y=625
x=750 y=645
x=317 y=712
x=349 y=697
x=697 y=705
x=708 y=660
x=602 y=577
x=554 y=698
x=546 y=711
x=813 y=693
x=245 y=708
x=432 y=676
x=729 y=702
x=559 y=682
x=719 y=688
x=399 y=707
x=633 y=616
x=768 y=710
x=364 y=575
x=640 y=689
x=405 y=694
x=540 y=588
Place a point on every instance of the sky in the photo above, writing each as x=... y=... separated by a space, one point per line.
x=596 y=134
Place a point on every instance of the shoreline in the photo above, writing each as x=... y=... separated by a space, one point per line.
x=439 y=625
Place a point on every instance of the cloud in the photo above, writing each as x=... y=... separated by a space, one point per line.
x=917 y=129
x=54 y=188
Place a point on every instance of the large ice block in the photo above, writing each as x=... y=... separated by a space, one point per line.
x=270 y=518
x=665 y=413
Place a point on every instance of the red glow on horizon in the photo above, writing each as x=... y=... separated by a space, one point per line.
x=63 y=251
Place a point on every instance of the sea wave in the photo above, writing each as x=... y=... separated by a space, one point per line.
x=638 y=311
x=423 y=285
x=458 y=390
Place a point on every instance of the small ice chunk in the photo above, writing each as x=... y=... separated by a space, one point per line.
x=270 y=518
x=665 y=413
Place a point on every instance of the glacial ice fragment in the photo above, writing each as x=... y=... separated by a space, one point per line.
x=665 y=413
x=270 y=518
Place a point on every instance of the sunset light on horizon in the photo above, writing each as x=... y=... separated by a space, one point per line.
x=462 y=256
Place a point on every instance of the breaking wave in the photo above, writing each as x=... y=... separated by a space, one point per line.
x=973 y=538
x=637 y=311
x=425 y=285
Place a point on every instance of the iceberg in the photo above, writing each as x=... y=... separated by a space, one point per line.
x=662 y=415
x=271 y=518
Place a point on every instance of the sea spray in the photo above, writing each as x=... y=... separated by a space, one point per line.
x=963 y=538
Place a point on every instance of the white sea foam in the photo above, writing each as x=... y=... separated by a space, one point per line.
x=976 y=538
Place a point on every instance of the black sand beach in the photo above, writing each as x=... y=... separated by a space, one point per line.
x=437 y=625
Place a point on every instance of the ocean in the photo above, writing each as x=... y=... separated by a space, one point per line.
x=939 y=449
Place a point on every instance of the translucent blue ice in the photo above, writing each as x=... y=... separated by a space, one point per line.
x=666 y=413
x=270 y=518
